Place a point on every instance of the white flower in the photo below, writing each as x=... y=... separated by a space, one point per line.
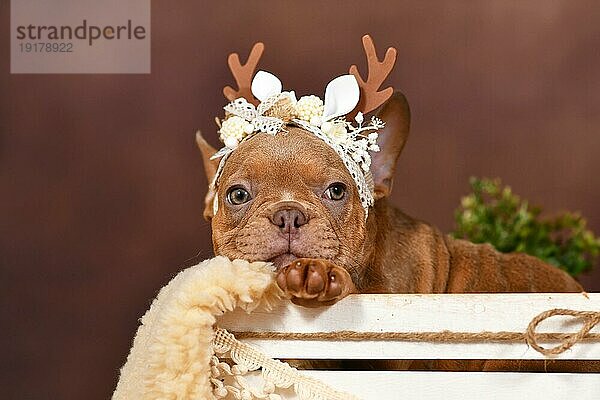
x=377 y=123
x=362 y=145
x=336 y=131
x=308 y=107
x=248 y=128
x=326 y=126
x=292 y=96
x=359 y=118
x=373 y=136
x=231 y=142
x=233 y=130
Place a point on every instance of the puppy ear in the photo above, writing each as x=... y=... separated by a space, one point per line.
x=210 y=168
x=396 y=115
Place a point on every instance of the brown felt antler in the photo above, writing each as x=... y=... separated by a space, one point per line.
x=243 y=74
x=370 y=95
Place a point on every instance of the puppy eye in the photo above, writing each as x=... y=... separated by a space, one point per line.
x=335 y=191
x=238 y=195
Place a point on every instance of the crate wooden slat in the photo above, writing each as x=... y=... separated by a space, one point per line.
x=417 y=313
x=394 y=385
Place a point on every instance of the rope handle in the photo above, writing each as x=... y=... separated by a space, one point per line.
x=530 y=336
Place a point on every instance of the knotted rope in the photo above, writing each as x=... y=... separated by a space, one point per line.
x=530 y=336
x=591 y=318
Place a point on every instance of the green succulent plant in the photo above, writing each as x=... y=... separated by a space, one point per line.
x=493 y=214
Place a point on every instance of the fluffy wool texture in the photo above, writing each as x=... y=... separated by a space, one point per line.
x=172 y=348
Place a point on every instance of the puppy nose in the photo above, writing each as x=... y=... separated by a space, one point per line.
x=289 y=219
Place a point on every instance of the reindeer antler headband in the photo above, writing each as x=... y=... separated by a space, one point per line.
x=260 y=105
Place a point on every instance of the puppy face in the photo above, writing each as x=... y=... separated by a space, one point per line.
x=288 y=196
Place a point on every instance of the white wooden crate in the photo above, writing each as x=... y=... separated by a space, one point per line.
x=426 y=385
x=431 y=313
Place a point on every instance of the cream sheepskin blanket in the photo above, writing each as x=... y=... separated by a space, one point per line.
x=172 y=349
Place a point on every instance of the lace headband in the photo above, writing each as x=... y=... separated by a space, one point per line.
x=262 y=107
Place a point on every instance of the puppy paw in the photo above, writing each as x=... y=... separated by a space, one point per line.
x=314 y=283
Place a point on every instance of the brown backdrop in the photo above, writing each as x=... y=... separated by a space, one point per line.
x=102 y=185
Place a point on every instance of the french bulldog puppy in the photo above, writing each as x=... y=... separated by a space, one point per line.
x=289 y=199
